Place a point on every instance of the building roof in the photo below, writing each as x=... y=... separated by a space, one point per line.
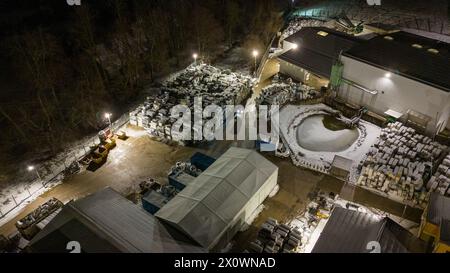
x=349 y=231
x=206 y=208
x=317 y=53
x=438 y=208
x=107 y=222
x=444 y=233
x=397 y=54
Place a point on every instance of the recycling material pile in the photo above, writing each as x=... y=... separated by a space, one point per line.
x=440 y=182
x=297 y=24
x=283 y=93
x=215 y=86
x=39 y=214
x=185 y=167
x=399 y=162
x=276 y=238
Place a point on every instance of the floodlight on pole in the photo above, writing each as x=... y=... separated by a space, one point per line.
x=108 y=117
x=32 y=168
x=255 y=55
x=195 y=56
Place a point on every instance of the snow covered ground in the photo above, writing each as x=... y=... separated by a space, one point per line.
x=291 y=116
x=314 y=136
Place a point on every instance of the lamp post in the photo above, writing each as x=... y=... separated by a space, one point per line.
x=108 y=117
x=32 y=168
x=255 y=55
x=195 y=56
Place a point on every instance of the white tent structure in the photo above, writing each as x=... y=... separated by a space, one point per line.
x=217 y=203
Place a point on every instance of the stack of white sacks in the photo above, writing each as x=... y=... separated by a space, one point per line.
x=398 y=161
x=440 y=182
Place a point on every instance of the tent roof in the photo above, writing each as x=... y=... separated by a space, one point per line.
x=107 y=222
x=206 y=207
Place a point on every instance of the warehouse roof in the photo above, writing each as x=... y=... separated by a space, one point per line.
x=318 y=48
x=438 y=208
x=107 y=222
x=349 y=231
x=206 y=208
x=412 y=56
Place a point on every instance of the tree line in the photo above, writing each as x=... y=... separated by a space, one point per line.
x=63 y=66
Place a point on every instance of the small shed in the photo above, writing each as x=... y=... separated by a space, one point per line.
x=341 y=166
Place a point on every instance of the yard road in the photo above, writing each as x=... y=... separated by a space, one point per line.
x=129 y=163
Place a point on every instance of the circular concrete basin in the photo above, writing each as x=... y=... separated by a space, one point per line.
x=324 y=133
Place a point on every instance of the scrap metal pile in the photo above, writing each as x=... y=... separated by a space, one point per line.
x=213 y=85
x=276 y=238
x=283 y=93
x=39 y=213
x=297 y=24
x=440 y=182
x=185 y=167
x=399 y=163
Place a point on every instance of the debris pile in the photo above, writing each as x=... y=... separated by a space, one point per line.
x=283 y=93
x=297 y=24
x=185 y=167
x=216 y=86
x=276 y=238
x=213 y=85
x=440 y=182
x=39 y=213
x=399 y=163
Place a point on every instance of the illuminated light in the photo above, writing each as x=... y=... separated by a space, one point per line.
x=195 y=56
x=295 y=46
x=390 y=38
x=433 y=50
x=108 y=115
x=417 y=46
x=255 y=53
x=322 y=33
x=30 y=168
x=387 y=75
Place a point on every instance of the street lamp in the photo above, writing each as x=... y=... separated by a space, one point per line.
x=108 y=117
x=195 y=56
x=255 y=55
x=32 y=168
x=295 y=46
x=387 y=75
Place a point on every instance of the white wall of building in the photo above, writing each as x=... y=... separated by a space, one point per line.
x=295 y=72
x=397 y=92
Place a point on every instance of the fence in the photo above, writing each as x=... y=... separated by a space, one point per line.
x=26 y=190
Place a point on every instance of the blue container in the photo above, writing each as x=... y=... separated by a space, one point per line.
x=153 y=201
x=202 y=161
x=180 y=180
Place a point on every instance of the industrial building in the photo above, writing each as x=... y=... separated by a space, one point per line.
x=396 y=74
x=106 y=222
x=215 y=206
x=351 y=231
x=435 y=224
x=311 y=53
